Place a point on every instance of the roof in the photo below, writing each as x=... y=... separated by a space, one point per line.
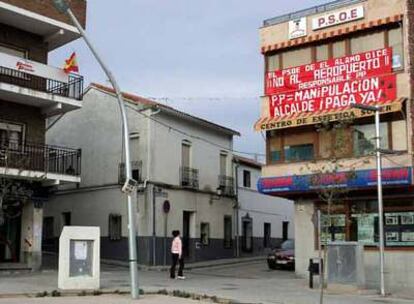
x=167 y=109
x=248 y=161
x=310 y=11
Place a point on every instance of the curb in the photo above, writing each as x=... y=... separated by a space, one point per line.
x=79 y=293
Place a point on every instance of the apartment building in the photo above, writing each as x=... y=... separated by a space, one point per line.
x=184 y=168
x=30 y=92
x=264 y=222
x=318 y=63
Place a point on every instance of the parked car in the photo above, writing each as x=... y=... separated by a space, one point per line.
x=283 y=257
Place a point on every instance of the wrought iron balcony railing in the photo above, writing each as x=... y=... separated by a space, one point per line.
x=72 y=89
x=40 y=157
x=189 y=177
x=136 y=167
x=226 y=184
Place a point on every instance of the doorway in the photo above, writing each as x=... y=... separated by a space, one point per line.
x=10 y=233
x=247 y=234
x=188 y=218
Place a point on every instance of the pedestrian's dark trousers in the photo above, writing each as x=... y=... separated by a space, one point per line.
x=175 y=259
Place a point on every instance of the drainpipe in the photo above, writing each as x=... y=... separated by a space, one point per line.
x=148 y=179
x=237 y=207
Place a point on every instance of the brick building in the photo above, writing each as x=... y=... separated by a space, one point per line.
x=318 y=62
x=31 y=91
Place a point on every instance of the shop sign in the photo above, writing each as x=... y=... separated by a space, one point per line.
x=338 y=17
x=298 y=28
x=349 y=114
x=33 y=68
x=359 y=179
x=332 y=85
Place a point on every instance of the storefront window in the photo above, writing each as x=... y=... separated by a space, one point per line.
x=399 y=228
x=333 y=228
x=297 y=57
x=364 y=138
x=395 y=39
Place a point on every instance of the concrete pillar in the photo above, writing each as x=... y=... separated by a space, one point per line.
x=31 y=236
x=304 y=236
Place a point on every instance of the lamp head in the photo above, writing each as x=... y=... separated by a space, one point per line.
x=61 y=5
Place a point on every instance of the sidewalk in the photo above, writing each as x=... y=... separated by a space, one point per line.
x=103 y=299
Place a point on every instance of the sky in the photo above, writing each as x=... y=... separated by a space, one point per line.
x=201 y=57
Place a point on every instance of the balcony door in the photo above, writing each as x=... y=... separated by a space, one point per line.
x=223 y=164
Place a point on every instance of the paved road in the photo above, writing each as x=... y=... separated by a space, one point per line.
x=246 y=283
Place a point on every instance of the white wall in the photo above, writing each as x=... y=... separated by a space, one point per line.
x=263 y=208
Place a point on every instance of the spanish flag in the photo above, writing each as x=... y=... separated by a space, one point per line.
x=71 y=64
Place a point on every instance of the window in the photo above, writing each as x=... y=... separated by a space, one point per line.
x=185 y=154
x=395 y=41
x=136 y=174
x=48 y=227
x=228 y=234
x=333 y=228
x=66 y=219
x=296 y=57
x=246 y=179
x=322 y=52
x=364 y=138
x=338 y=49
x=299 y=152
x=285 y=230
x=115 y=227
x=223 y=164
x=11 y=135
x=273 y=63
x=13 y=51
x=266 y=235
x=205 y=233
x=274 y=147
x=367 y=42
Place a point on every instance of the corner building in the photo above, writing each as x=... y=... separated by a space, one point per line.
x=318 y=62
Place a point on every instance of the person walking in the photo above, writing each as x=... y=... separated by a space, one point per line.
x=177 y=256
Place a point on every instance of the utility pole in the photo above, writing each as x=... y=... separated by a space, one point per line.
x=130 y=184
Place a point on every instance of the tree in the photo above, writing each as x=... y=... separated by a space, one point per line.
x=329 y=178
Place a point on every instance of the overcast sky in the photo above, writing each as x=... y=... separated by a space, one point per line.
x=201 y=57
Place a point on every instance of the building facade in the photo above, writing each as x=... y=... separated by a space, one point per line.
x=30 y=92
x=318 y=63
x=185 y=173
x=264 y=222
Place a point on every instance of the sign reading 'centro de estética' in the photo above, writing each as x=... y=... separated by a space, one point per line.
x=331 y=86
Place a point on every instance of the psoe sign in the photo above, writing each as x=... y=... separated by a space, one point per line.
x=338 y=17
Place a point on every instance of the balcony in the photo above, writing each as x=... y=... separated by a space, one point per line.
x=43 y=20
x=136 y=168
x=226 y=185
x=39 y=85
x=38 y=161
x=189 y=177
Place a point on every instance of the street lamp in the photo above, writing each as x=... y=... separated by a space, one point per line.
x=377 y=110
x=130 y=184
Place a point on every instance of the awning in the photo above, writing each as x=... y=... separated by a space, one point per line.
x=311 y=118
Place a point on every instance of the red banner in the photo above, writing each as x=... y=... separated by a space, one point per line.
x=333 y=84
